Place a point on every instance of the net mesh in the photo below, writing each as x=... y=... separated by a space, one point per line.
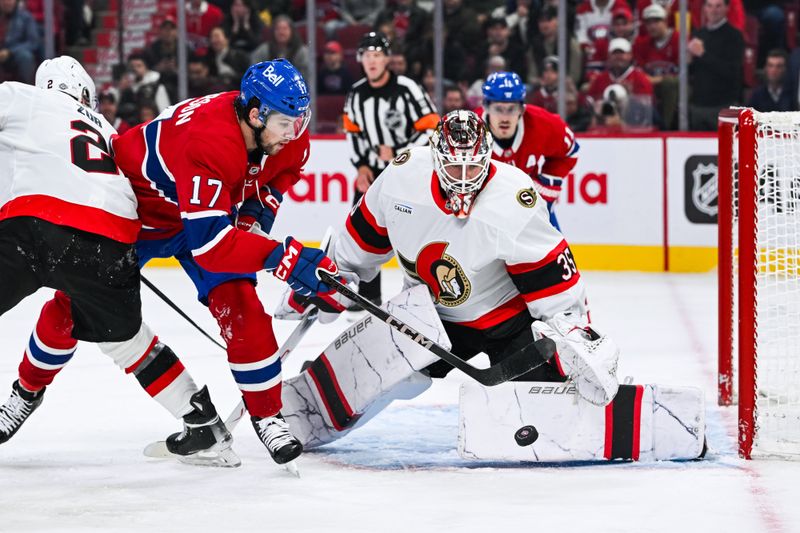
x=777 y=344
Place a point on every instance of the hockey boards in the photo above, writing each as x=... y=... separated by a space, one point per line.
x=547 y=422
x=521 y=362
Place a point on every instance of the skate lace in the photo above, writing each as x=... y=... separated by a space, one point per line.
x=275 y=433
x=13 y=413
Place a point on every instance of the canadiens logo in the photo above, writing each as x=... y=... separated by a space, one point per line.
x=441 y=273
x=526 y=197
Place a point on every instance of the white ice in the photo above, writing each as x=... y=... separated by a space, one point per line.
x=77 y=465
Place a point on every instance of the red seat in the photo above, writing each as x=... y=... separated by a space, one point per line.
x=349 y=36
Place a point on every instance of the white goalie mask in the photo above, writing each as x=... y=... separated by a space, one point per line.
x=66 y=74
x=462 y=153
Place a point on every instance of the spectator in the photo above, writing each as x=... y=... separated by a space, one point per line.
x=772 y=95
x=200 y=81
x=475 y=91
x=145 y=84
x=596 y=52
x=657 y=54
x=518 y=16
x=579 y=113
x=201 y=18
x=108 y=108
x=622 y=24
x=420 y=57
x=163 y=52
x=225 y=63
x=771 y=16
x=406 y=18
x=545 y=45
x=284 y=43
x=398 y=64
x=354 y=12
x=333 y=77
x=453 y=99
x=716 y=54
x=462 y=25
x=500 y=42
x=793 y=79
x=19 y=38
x=243 y=26
x=593 y=19
x=546 y=95
x=147 y=111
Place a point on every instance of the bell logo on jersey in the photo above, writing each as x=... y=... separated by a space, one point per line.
x=441 y=273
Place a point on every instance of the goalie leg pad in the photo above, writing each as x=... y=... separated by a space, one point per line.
x=365 y=368
x=643 y=423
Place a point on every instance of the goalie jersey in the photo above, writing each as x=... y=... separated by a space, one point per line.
x=504 y=259
x=55 y=164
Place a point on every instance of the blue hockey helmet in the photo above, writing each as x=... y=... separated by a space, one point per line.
x=279 y=88
x=503 y=87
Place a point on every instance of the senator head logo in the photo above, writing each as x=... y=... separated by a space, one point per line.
x=440 y=272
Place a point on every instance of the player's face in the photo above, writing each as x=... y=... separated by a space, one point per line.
x=503 y=118
x=374 y=63
x=280 y=129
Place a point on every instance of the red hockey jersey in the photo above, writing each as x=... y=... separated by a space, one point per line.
x=189 y=167
x=543 y=146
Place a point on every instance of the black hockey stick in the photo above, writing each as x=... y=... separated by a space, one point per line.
x=513 y=366
x=179 y=310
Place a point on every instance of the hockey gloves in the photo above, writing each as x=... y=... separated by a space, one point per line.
x=291 y=262
x=260 y=209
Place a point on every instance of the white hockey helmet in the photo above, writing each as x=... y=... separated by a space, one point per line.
x=66 y=74
x=462 y=153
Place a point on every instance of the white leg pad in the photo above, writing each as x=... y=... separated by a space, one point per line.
x=367 y=367
x=644 y=423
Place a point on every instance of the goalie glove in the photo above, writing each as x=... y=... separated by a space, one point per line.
x=259 y=210
x=585 y=355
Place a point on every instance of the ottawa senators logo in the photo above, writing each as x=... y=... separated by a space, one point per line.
x=441 y=273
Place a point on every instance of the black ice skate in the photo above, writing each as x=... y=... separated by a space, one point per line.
x=274 y=433
x=204 y=440
x=17 y=409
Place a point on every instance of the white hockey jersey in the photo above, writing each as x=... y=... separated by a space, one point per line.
x=55 y=164
x=501 y=260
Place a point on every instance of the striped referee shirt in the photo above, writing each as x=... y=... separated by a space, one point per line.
x=399 y=114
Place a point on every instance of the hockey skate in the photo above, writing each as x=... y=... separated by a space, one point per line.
x=281 y=444
x=17 y=409
x=204 y=440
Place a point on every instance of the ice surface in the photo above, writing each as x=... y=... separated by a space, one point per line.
x=77 y=465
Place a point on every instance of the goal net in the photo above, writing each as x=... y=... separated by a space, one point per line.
x=759 y=278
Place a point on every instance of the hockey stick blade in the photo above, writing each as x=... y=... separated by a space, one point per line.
x=515 y=365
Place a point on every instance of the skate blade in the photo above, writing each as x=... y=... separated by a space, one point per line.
x=291 y=467
x=224 y=458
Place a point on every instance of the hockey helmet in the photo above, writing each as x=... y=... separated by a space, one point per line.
x=373 y=41
x=503 y=87
x=462 y=153
x=278 y=90
x=65 y=74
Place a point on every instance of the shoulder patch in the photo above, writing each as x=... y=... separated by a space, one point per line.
x=527 y=197
x=401 y=158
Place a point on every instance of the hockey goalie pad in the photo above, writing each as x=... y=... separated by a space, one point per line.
x=643 y=423
x=367 y=367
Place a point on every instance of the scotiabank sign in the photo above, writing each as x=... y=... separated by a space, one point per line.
x=615 y=194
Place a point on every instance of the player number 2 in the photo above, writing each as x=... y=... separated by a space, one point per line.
x=80 y=149
x=212 y=182
x=568 y=264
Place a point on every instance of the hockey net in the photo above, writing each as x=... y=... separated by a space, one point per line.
x=759 y=278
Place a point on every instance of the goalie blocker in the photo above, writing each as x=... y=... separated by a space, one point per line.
x=369 y=365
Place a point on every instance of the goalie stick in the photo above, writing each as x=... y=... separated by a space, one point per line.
x=515 y=365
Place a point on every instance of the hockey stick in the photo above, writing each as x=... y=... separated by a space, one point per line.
x=177 y=309
x=309 y=317
x=513 y=366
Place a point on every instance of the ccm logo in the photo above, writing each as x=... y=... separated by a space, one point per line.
x=289 y=259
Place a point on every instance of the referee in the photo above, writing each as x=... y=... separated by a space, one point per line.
x=383 y=114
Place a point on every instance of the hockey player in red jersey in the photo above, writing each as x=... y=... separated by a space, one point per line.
x=190 y=167
x=68 y=221
x=528 y=137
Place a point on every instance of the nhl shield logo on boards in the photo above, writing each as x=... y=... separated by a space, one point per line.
x=700 y=189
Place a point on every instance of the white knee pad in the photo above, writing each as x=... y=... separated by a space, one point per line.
x=367 y=367
x=126 y=353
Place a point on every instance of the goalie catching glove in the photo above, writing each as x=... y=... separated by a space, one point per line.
x=586 y=356
x=259 y=210
x=297 y=265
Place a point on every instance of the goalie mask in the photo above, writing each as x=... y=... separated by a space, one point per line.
x=462 y=152
x=66 y=74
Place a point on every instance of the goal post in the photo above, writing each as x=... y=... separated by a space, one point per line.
x=759 y=286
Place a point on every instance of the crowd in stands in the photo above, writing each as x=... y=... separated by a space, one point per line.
x=621 y=65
